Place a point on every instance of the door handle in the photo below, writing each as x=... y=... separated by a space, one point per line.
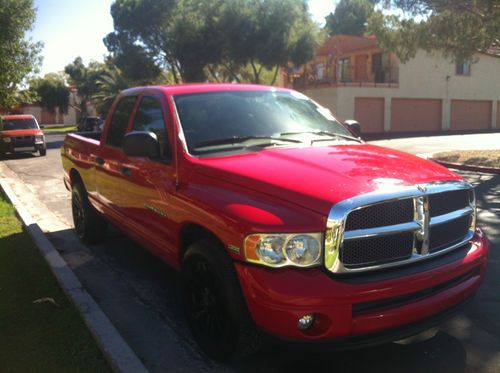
x=126 y=171
x=99 y=161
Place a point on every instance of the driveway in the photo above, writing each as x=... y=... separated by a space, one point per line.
x=141 y=296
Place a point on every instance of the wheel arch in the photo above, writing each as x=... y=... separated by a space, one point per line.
x=75 y=177
x=193 y=232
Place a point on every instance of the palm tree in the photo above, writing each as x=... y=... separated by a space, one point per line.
x=109 y=84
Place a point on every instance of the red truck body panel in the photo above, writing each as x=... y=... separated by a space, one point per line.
x=299 y=174
x=285 y=189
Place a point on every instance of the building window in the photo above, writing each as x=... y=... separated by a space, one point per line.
x=463 y=68
x=344 y=70
x=320 y=71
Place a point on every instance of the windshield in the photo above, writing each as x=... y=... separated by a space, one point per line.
x=18 y=124
x=212 y=117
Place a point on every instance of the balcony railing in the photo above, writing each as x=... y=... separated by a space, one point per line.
x=350 y=75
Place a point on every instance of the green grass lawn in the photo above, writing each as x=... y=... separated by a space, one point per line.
x=37 y=337
x=71 y=128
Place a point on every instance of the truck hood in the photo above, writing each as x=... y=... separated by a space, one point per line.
x=26 y=132
x=319 y=177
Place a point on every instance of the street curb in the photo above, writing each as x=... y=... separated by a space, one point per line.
x=464 y=167
x=114 y=348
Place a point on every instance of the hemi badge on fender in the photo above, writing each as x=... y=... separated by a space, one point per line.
x=155 y=210
x=234 y=249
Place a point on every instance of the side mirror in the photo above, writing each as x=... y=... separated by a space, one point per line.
x=141 y=144
x=42 y=127
x=354 y=127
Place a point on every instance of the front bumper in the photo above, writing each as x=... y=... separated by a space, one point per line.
x=354 y=307
x=25 y=146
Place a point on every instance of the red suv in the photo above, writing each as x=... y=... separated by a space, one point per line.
x=20 y=134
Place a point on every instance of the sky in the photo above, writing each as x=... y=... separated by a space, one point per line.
x=72 y=28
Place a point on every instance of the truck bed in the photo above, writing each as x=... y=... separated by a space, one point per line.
x=96 y=135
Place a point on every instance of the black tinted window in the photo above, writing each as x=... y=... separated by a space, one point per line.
x=17 y=124
x=233 y=114
x=119 y=122
x=149 y=117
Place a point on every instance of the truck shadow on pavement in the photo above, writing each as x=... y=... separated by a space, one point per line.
x=442 y=353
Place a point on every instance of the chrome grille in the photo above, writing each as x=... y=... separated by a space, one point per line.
x=373 y=250
x=443 y=203
x=448 y=233
x=379 y=230
x=376 y=215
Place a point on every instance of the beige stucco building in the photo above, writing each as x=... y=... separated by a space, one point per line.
x=355 y=79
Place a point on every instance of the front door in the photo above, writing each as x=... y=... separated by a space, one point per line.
x=152 y=181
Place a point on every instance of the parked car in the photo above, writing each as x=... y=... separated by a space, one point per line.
x=281 y=220
x=93 y=124
x=21 y=134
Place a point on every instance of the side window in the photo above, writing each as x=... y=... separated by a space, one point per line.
x=149 y=117
x=118 y=125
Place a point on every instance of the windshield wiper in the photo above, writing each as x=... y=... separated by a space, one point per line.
x=322 y=133
x=241 y=139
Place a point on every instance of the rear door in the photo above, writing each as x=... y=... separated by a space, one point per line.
x=111 y=178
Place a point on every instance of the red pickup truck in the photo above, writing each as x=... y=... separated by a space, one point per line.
x=281 y=220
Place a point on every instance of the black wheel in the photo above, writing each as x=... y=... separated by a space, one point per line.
x=42 y=151
x=217 y=314
x=89 y=225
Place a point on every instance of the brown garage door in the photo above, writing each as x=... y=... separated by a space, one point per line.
x=415 y=114
x=369 y=112
x=470 y=115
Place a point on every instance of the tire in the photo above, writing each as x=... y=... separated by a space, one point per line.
x=216 y=311
x=42 y=152
x=90 y=227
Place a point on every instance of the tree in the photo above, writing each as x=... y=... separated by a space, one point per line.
x=109 y=84
x=18 y=57
x=133 y=60
x=265 y=35
x=52 y=92
x=458 y=28
x=350 y=17
x=85 y=79
x=196 y=39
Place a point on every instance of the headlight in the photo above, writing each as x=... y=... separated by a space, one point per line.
x=38 y=137
x=279 y=250
x=6 y=139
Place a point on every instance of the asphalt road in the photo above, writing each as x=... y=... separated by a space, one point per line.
x=141 y=295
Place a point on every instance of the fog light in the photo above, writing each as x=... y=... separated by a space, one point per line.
x=305 y=322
